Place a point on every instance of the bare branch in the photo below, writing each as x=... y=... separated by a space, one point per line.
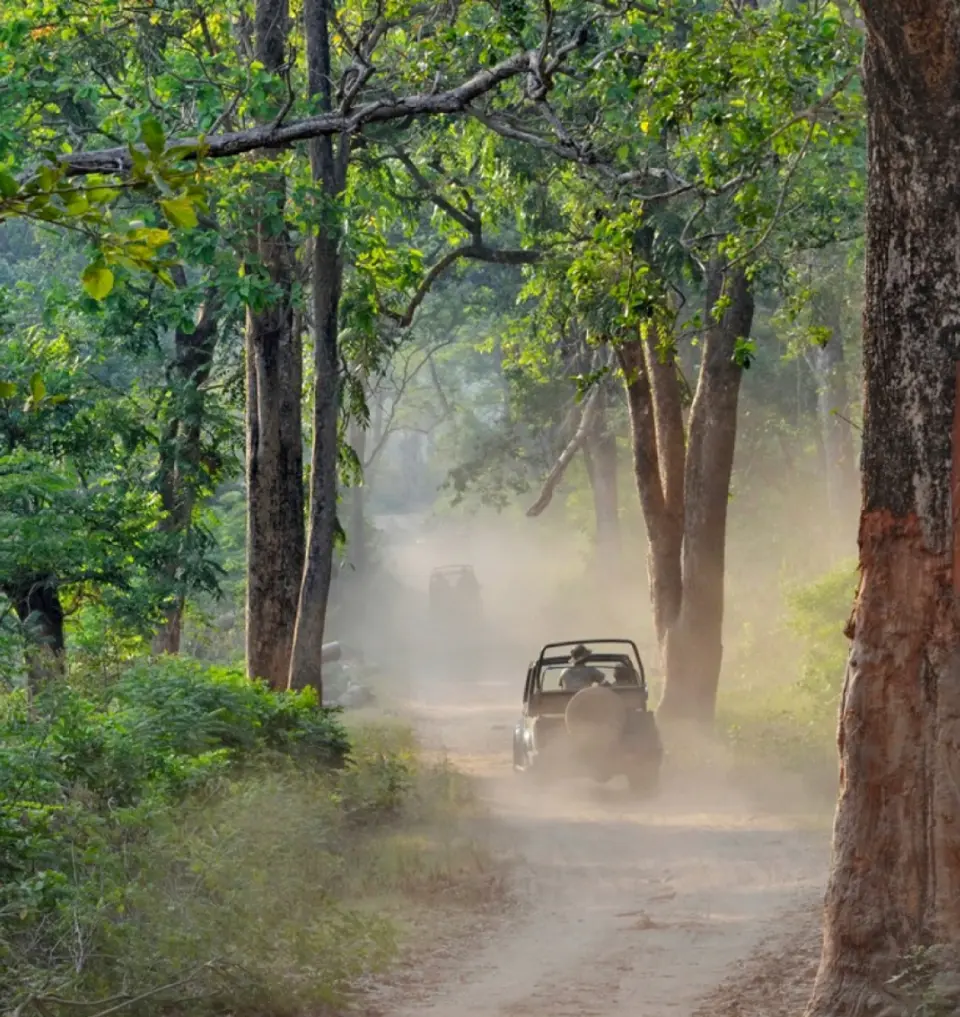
x=471 y=252
x=566 y=456
x=409 y=374
x=470 y=223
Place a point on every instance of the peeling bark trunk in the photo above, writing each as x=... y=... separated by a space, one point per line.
x=328 y=166
x=895 y=877
x=275 y=539
x=180 y=450
x=694 y=644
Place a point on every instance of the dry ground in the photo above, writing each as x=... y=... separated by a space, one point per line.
x=700 y=902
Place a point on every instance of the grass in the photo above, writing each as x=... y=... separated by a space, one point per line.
x=785 y=728
x=779 y=697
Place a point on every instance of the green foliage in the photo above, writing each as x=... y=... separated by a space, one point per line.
x=927 y=982
x=818 y=612
x=182 y=825
x=788 y=718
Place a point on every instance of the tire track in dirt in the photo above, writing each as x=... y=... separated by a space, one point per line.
x=622 y=907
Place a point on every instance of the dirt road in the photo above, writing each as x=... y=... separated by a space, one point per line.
x=624 y=908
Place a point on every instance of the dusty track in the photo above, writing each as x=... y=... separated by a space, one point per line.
x=624 y=908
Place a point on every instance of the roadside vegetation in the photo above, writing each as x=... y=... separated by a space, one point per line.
x=781 y=694
x=179 y=839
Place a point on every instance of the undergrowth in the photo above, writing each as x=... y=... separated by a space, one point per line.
x=926 y=984
x=779 y=706
x=182 y=840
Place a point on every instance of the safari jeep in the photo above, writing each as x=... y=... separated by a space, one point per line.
x=602 y=730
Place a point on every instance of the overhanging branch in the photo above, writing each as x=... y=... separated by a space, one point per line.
x=220 y=146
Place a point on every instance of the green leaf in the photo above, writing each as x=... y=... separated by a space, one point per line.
x=9 y=187
x=7 y=389
x=77 y=204
x=103 y=195
x=37 y=388
x=180 y=211
x=151 y=237
x=139 y=161
x=151 y=134
x=97 y=281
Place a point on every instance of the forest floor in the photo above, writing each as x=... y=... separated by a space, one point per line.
x=703 y=901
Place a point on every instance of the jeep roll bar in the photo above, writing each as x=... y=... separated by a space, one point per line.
x=587 y=642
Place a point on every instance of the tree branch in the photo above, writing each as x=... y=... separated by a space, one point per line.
x=566 y=456
x=471 y=251
x=470 y=223
x=221 y=146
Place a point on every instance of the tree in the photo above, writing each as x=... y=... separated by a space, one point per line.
x=895 y=873
x=693 y=638
x=590 y=428
x=733 y=110
x=181 y=470
x=274 y=354
x=817 y=311
x=691 y=124
x=78 y=518
x=328 y=165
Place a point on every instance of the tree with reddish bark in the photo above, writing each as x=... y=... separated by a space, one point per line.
x=895 y=877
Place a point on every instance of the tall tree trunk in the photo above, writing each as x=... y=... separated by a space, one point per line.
x=275 y=539
x=328 y=166
x=660 y=489
x=600 y=458
x=694 y=644
x=684 y=486
x=181 y=452
x=36 y=601
x=895 y=878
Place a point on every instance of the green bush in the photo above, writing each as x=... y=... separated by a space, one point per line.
x=818 y=612
x=792 y=724
x=84 y=777
x=176 y=838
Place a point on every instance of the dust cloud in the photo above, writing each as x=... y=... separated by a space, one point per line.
x=622 y=907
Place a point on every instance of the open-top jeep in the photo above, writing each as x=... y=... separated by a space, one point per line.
x=599 y=726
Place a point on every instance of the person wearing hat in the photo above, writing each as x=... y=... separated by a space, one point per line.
x=580 y=675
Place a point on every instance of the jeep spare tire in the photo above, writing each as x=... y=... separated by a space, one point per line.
x=595 y=714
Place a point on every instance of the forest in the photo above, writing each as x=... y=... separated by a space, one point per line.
x=649 y=308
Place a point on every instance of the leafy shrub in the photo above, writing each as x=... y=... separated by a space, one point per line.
x=178 y=840
x=83 y=777
x=817 y=614
x=793 y=724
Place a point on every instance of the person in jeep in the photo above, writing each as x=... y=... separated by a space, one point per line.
x=580 y=675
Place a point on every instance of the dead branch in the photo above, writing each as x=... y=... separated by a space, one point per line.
x=471 y=252
x=566 y=456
